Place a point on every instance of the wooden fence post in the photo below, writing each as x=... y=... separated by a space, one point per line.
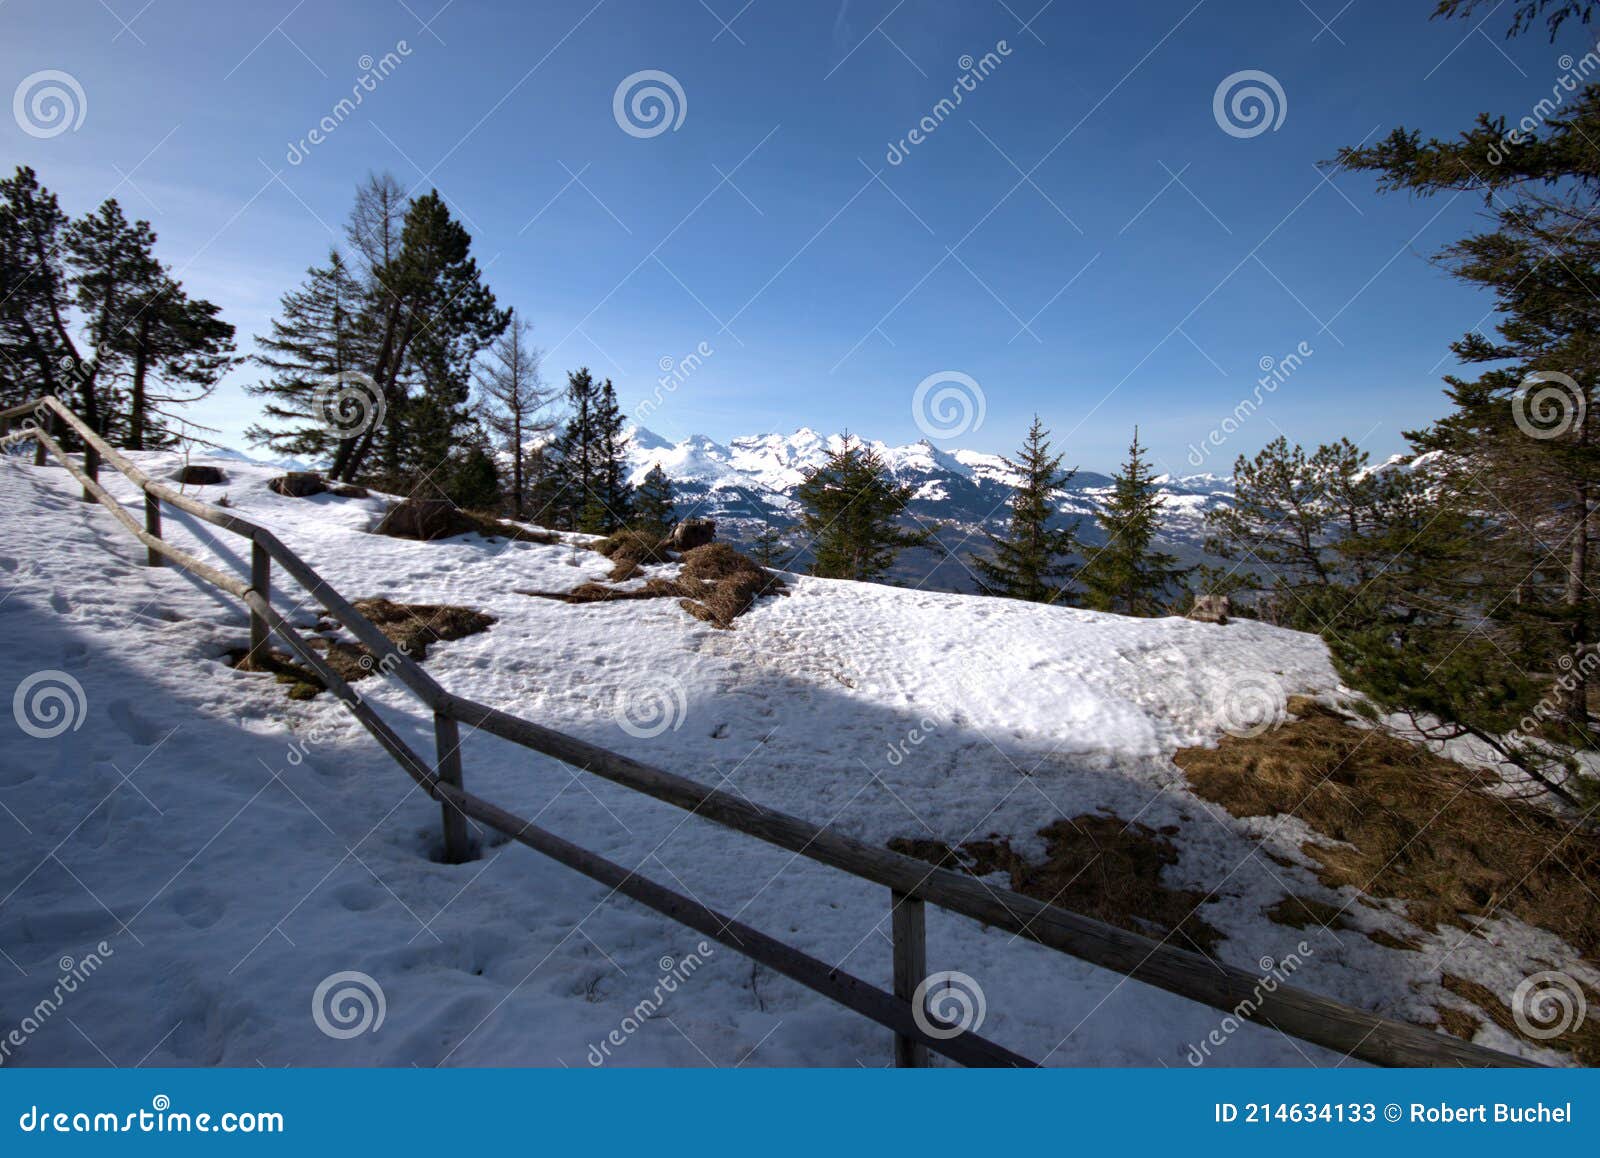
x=152 y=527
x=45 y=421
x=447 y=745
x=261 y=583
x=91 y=467
x=908 y=921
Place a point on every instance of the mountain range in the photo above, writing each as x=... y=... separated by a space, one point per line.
x=751 y=480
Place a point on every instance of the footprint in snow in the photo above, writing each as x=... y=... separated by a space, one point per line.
x=132 y=724
x=200 y=908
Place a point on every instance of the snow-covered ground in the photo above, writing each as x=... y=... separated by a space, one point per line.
x=234 y=849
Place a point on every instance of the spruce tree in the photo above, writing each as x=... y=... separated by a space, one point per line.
x=1127 y=574
x=1029 y=561
x=850 y=512
x=611 y=481
x=653 y=511
x=572 y=467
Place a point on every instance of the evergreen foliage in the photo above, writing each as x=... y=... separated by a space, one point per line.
x=851 y=507
x=1127 y=574
x=1033 y=558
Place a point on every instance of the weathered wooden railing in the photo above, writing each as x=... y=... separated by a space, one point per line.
x=911 y=883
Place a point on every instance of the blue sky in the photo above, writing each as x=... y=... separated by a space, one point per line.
x=1080 y=237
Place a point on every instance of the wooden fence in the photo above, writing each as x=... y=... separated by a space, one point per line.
x=911 y=883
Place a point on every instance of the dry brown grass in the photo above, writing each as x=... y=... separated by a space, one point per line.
x=1412 y=826
x=716 y=583
x=1302 y=912
x=1095 y=864
x=1582 y=1039
x=411 y=627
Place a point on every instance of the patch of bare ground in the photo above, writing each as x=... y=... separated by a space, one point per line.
x=1414 y=827
x=716 y=584
x=411 y=627
x=1411 y=825
x=1096 y=864
x=1581 y=1039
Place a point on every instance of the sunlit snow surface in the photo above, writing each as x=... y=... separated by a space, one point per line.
x=234 y=848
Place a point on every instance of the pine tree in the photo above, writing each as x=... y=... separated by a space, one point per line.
x=178 y=348
x=37 y=352
x=1031 y=558
x=315 y=340
x=850 y=511
x=147 y=346
x=653 y=511
x=1126 y=574
x=590 y=458
x=615 y=495
x=473 y=478
x=429 y=314
x=572 y=467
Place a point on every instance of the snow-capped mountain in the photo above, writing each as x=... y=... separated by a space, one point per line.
x=752 y=479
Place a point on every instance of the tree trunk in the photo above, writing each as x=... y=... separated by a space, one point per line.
x=136 y=416
x=1574 y=682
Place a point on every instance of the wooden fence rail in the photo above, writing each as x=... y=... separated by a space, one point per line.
x=911 y=883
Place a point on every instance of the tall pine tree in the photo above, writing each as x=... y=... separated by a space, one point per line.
x=1030 y=561
x=851 y=508
x=1127 y=574
x=653 y=511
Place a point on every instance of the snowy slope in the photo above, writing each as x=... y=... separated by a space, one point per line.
x=234 y=849
x=965 y=492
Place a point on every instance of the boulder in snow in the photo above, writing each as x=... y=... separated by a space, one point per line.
x=425 y=519
x=195 y=474
x=692 y=533
x=1211 y=608
x=298 y=484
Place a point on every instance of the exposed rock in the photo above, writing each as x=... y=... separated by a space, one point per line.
x=350 y=491
x=199 y=475
x=692 y=533
x=425 y=519
x=1211 y=609
x=298 y=484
